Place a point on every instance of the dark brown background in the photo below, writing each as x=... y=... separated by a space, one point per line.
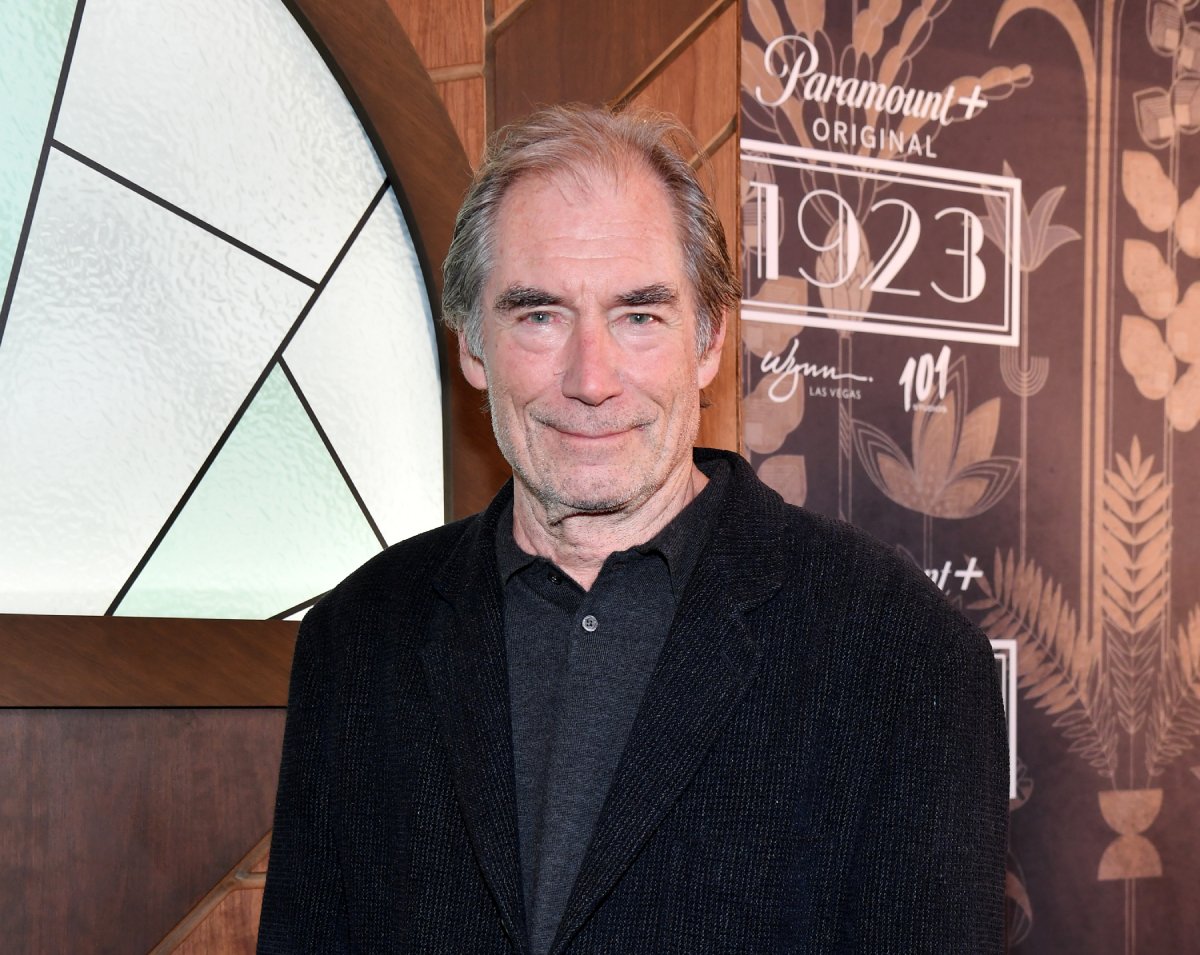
x=1096 y=554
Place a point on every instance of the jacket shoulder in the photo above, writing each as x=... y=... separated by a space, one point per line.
x=391 y=593
x=881 y=584
x=402 y=566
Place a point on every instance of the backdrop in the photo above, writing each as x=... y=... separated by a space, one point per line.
x=971 y=326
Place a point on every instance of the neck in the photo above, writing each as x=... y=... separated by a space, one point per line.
x=580 y=542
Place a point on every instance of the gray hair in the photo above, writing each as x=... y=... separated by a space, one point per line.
x=578 y=140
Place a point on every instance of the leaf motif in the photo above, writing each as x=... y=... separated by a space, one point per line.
x=787 y=474
x=1151 y=494
x=978 y=435
x=933 y=444
x=994 y=228
x=1044 y=238
x=1134 y=592
x=867 y=32
x=1152 y=555
x=1158 y=524
x=1117 y=503
x=1183 y=326
x=807 y=15
x=1183 y=403
x=1146 y=357
x=1056 y=235
x=1019 y=598
x=996 y=475
x=879 y=453
x=1149 y=278
x=768 y=422
x=1176 y=716
x=759 y=81
x=767 y=340
x=1187 y=225
x=1148 y=189
x=765 y=18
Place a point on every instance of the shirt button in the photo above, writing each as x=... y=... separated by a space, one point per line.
x=590 y=623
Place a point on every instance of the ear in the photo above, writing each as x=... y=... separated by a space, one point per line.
x=710 y=361
x=472 y=366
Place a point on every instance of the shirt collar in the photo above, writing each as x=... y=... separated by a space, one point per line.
x=679 y=544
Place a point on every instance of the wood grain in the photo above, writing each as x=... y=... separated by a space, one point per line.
x=700 y=85
x=116 y=822
x=464 y=101
x=141 y=661
x=230 y=929
x=588 y=51
x=443 y=32
x=721 y=422
x=225 y=921
x=503 y=9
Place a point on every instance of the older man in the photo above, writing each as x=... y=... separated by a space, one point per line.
x=640 y=704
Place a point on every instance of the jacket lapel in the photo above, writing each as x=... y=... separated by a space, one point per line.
x=467 y=672
x=707 y=662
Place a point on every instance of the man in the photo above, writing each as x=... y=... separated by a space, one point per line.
x=639 y=705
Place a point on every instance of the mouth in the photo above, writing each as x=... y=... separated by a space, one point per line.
x=595 y=432
x=592 y=435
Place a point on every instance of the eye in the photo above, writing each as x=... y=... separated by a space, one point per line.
x=538 y=318
x=640 y=319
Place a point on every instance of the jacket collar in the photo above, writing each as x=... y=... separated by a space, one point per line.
x=707 y=662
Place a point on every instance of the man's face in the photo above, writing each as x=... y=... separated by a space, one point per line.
x=589 y=342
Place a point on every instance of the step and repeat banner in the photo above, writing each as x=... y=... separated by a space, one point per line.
x=971 y=325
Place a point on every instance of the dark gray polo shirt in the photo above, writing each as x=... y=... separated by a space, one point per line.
x=578 y=664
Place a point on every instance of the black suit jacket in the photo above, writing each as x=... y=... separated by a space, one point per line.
x=819 y=763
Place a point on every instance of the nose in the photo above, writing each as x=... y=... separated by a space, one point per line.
x=593 y=364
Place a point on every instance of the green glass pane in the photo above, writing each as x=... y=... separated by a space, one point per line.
x=271 y=523
x=33 y=37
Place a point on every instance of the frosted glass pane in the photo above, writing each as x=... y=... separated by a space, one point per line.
x=271 y=523
x=133 y=339
x=366 y=360
x=224 y=108
x=33 y=37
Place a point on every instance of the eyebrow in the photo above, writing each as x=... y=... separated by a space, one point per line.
x=657 y=294
x=517 y=297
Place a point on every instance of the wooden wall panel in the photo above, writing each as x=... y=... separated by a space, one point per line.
x=721 y=422
x=586 y=50
x=464 y=101
x=231 y=928
x=143 y=661
x=224 y=922
x=503 y=8
x=700 y=84
x=444 y=32
x=126 y=819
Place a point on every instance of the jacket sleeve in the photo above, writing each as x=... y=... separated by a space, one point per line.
x=303 y=906
x=932 y=844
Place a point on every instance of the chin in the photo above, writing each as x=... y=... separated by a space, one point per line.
x=593 y=493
